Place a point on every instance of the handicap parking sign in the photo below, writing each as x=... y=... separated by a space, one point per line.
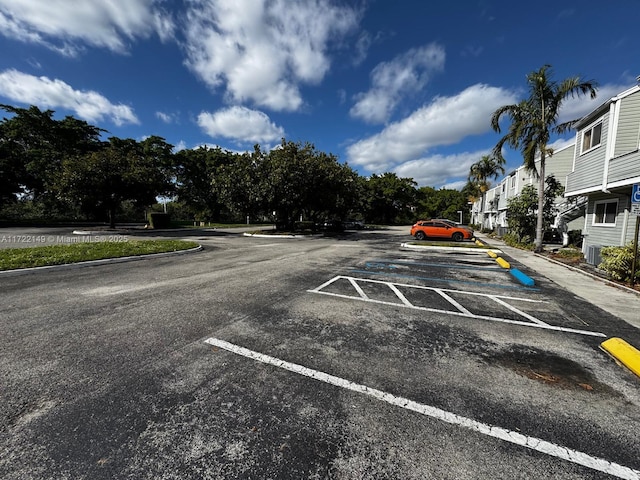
x=635 y=193
x=635 y=199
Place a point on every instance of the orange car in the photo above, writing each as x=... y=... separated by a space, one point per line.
x=440 y=229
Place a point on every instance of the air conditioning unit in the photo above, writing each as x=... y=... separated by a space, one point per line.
x=593 y=255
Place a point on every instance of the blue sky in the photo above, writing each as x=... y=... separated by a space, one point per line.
x=406 y=85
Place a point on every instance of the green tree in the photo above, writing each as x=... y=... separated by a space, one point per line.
x=533 y=120
x=196 y=174
x=442 y=203
x=298 y=180
x=481 y=172
x=33 y=146
x=389 y=199
x=552 y=190
x=521 y=214
x=471 y=191
x=123 y=170
x=522 y=209
x=239 y=184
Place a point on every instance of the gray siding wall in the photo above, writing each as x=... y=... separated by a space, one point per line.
x=503 y=195
x=628 y=125
x=624 y=167
x=560 y=164
x=605 y=236
x=589 y=167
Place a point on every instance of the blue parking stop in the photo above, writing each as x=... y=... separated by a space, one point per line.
x=522 y=277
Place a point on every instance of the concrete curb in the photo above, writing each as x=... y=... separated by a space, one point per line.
x=623 y=353
x=582 y=272
x=264 y=235
x=587 y=274
x=448 y=249
x=88 y=263
x=133 y=232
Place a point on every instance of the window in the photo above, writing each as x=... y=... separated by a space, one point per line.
x=604 y=213
x=591 y=137
x=513 y=182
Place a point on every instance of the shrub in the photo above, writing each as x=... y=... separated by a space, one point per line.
x=617 y=262
x=575 y=238
x=571 y=253
x=305 y=225
x=513 y=240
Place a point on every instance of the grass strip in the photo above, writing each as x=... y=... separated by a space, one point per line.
x=15 y=258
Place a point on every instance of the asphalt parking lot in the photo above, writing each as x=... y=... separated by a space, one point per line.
x=344 y=357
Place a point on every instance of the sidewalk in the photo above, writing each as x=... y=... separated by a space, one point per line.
x=621 y=302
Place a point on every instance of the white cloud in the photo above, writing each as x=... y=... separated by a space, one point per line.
x=240 y=123
x=406 y=73
x=47 y=93
x=440 y=170
x=261 y=51
x=561 y=143
x=445 y=121
x=182 y=145
x=577 y=107
x=167 y=117
x=214 y=146
x=63 y=25
x=362 y=47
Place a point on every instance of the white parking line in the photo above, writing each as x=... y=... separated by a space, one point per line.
x=358 y=289
x=533 y=443
x=444 y=293
x=453 y=302
x=520 y=312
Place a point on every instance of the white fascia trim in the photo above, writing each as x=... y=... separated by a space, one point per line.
x=625 y=226
x=626 y=93
x=624 y=183
x=571 y=145
x=596 y=188
x=614 y=116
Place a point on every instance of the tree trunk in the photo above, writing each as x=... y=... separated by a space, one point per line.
x=112 y=217
x=539 y=220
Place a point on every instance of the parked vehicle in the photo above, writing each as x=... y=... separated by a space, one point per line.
x=440 y=229
x=331 y=226
x=354 y=224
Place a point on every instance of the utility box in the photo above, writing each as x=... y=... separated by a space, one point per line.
x=593 y=255
x=159 y=220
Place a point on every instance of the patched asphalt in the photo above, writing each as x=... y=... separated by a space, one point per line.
x=106 y=372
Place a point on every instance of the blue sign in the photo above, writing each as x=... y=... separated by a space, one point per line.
x=635 y=193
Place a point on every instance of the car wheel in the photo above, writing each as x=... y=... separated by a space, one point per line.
x=420 y=236
x=457 y=237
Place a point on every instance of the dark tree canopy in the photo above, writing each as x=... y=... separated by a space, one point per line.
x=33 y=146
x=121 y=170
x=389 y=199
x=66 y=170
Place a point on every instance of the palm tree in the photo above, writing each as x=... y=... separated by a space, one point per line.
x=533 y=120
x=483 y=170
x=481 y=173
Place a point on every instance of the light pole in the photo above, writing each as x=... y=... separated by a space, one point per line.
x=460 y=212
